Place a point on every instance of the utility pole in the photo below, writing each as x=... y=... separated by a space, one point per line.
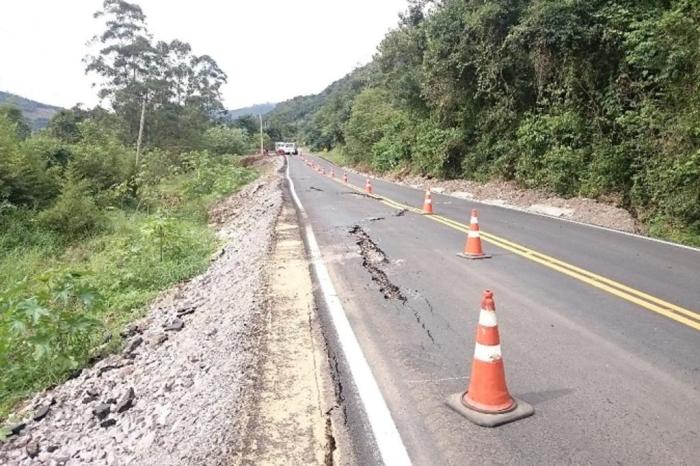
x=262 y=149
x=140 y=137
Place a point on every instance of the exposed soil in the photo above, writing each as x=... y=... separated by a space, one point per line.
x=291 y=422
x=606 y=212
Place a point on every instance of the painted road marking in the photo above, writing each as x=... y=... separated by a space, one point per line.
x=386 y=435
x=645 y=300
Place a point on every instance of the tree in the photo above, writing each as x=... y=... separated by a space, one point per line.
x=156 y=88
x=14 y=115
x=222 y=140
x=65 y=125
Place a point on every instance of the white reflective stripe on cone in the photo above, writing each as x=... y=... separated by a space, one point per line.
x=487 y=318
x=474 y=220
x=487 y=353
x=473 y=234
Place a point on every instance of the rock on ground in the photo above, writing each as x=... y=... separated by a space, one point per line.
x=177 y=397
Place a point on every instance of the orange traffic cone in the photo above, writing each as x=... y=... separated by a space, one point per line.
x=472 y=249
x=323 y=171
x=332 y=173
x=487 y=401
x=368 y=186
x=345 y=177
x=428 y=203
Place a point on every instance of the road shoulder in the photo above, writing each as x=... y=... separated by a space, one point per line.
x=290 y=418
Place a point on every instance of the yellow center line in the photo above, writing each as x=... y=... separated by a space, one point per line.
x=647 y=301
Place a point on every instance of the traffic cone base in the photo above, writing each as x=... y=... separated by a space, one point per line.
x=518 y=410
x=464 y=255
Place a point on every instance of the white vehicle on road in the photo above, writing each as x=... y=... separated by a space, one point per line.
x=286 y=148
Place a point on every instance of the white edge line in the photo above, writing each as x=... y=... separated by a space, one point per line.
x=386 y=435
x=538 y=214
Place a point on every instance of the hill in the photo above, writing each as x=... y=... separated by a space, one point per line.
x=259 y=109
x=37 y=113
x=595 y=99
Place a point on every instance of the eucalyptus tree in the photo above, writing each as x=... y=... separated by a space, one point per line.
x=158 y=88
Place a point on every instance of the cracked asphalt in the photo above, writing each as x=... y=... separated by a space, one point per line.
x=611 y=382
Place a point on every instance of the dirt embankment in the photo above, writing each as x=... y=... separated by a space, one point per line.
x=182 y=391
x=507 y=194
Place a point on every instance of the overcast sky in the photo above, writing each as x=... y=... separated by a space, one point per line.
x=271 y=49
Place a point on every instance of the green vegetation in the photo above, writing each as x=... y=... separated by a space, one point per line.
x=594 y=98
x=98 y=213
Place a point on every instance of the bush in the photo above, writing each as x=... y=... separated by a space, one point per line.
x=223 y=140
x=46 y=335
x=394 y=148
x=435 y=150
x=208 y=174
x=554 y=152
x=371 y=113
x=100 y=159
x=25 y=179
x=75 y=214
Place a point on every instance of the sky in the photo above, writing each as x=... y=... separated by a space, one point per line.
x=272 y=50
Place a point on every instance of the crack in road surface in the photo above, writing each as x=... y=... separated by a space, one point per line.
x=372 y=258
x=355 y=193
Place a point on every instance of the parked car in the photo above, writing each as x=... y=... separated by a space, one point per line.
x=286 y=148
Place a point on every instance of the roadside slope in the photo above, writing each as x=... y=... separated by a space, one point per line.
x=174 y=395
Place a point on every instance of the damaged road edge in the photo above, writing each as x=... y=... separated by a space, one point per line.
x=384 y=432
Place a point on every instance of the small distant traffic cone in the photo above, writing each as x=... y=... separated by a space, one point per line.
x=472 y=249
x=428 y=203
x=487 y=401
x=332 y=173
x=345 y=177
x=368 y=186
x=323 y=171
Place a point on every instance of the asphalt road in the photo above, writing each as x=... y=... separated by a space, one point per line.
x=600 y=330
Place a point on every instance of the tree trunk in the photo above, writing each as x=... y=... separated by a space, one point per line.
x=262 y=147
x=140 y=137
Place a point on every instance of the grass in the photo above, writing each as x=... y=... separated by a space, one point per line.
x=665 y=229
x=59 y=298
x=335 y=156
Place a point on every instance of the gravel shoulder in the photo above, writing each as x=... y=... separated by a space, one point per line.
x=294 y=397
x=182 y=391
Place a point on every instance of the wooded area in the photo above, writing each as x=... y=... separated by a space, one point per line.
x=591 y=98
x=107 y=206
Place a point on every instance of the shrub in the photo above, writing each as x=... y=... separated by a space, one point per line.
x=223 y=140
x=47 y=335
x=100 y=159
x=394 y=148
x=554 y=151
x=436 y=149
x=212 y=175
x=24 y=178
x=75 y=213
